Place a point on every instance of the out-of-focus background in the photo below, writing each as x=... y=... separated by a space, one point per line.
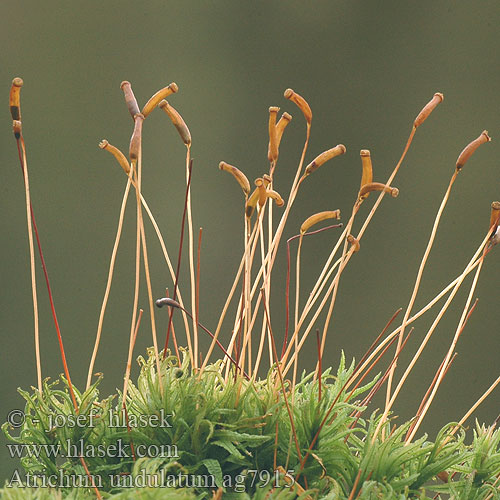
x=366 y=68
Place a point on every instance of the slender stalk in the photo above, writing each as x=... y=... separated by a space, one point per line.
x=251 y=248
x=458 y=332
x=473 y=408
x=296 y=319
x=131 y=345
x=192 y=276
x=137 y=281
x=287 y=286
x=24 y=166
x=29 y=220
x=188 y=183
x=197 y=290
x=313 y=320
x=429 y=334
x=426 y=395
x=282 y=383
x=146 y=270
x=417 y=315
x=228 y=300
x=167 y=260
x=419 y=277
x=110 y=279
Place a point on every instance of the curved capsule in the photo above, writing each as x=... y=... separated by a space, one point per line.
x=157 y=97
x=178 y=121
x=367 y=174
x=468 y=151
x=428 y=109
x=240 y=177
x=320 y=216
x=272 y=154
x=274 y=195
x=300 y=102
x=15 y=98
x=120 y=157
x=324 y=157
x=285 y=119
x=130 y=100
x=377 y=186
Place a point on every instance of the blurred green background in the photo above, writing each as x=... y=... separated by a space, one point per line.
x=366 y=68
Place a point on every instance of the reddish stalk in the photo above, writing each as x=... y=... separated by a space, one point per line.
x=367 y=400
x=94 y=487
x=49 y=290
x=188 y=184
x=171 y=303
x=375 y=342
x=369 y=369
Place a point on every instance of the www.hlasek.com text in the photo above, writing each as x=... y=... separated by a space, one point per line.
x=78 y=449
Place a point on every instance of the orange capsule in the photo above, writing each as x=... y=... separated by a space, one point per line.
x=273 y=136
x=301 y=103
x=285 y=119
x=377 y=186
x=470 y=148
x=428 y=109
x=240 y=177
x=274 y=195
x=340 y=149
x=366 y=163
x=120 y=157
x=15 y=98
x=319 y=217
x=158 y=96
x=177 y=121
